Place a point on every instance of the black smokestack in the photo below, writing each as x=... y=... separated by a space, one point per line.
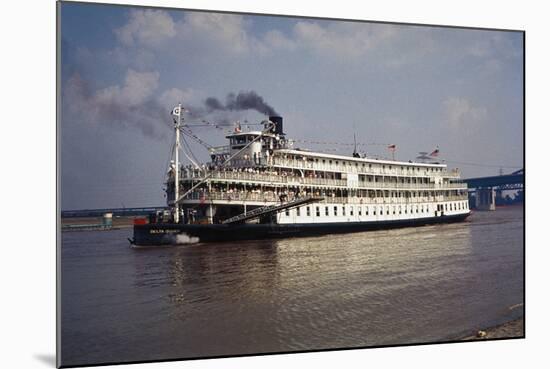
x=278 y=129
x=244 y=100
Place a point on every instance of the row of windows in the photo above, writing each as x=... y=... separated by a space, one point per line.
x=380 y=210
x=336 y=162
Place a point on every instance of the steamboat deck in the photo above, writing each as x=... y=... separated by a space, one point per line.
x=260 y=186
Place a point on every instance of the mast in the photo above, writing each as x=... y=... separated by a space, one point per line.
x=177 y=112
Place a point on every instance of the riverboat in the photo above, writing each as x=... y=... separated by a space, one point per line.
x=261 y=186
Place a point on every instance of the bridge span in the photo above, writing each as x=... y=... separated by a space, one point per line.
x=486 y=190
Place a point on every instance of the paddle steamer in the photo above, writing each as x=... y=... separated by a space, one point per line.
x=260 y=186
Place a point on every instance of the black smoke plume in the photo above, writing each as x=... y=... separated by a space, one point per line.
x=244 y=100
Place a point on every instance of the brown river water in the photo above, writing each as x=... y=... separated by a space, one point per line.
x=411 y=285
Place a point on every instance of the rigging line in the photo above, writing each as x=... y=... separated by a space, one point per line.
x=227 y=161
x=189 y=154
x=218 y=125
x=189 y=150
x=342 y=143
x=484 y=165
x=190 y=134
x=170 y=156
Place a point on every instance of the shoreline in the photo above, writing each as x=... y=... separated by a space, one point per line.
x=511 y=329
x=76 y=224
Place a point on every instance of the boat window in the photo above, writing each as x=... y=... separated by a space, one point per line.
x=351 y=211
x=317 y=211
x=287 y=212
x=367 y=210
x=308 y=211
x=359 y=210
x=326 y=211
x=298 y=211
x=344 y=210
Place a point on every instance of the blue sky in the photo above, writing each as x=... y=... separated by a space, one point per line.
x=417 y=87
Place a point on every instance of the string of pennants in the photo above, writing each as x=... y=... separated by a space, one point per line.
x=335 y=143
x=223 y=127
x=189 y=133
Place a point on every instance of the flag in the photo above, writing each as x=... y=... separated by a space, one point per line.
x=176 y=111
x=392 y=147
x=435 y=152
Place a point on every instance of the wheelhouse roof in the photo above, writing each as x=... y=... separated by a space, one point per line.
x=359 y=160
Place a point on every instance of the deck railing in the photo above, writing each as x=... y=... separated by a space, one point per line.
x=270 y=197
x=285 y=180
x=360 y=169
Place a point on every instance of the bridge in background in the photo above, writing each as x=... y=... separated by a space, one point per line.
x=488 y=189
x=512 y=181
x=121 y=212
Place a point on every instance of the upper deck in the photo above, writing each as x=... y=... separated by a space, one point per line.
x=267 y=157
x=298 y=159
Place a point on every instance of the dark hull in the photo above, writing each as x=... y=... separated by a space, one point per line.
x=168 y=234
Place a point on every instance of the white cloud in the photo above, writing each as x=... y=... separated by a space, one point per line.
x=147 y=28
x=342 y=39
x=129 y=105
x=137 y=89
x=231 y=35
x=276 y=40
x=220 y=32
x=140 y=58
x=462 y=114
x=173 y=96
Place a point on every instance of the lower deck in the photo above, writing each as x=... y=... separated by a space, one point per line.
x=169 y=233
x=325 y=211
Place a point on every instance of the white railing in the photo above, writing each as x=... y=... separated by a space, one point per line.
x=296 y=181
x=273 y=197
x=375 y=169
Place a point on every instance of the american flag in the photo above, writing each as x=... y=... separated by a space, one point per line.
x=392 y=147
x=435 y=152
